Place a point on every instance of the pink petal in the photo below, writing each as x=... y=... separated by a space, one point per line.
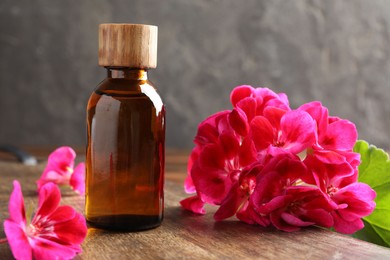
x=239 y=93
x=49 y=199
x=194 y=204
x=53 y=176
x=320 y=217
x=223 y=124
x=346 y=227
x=210 y=176
x=283 y=98
x=270 y=99
x=193 y=157
x=17 y=240
x=248 y=215
x=329 y=157
x=274 y=204
x=360 y=199
x=206 y=134
x=207 y=129
x=298 y=131
x=248 y=105
x=47 y=249
x=357 y=190
x=189 y=186
x=230 y=145
x=274 y=115
x=16 y=205
x=280 y=224
x=262 y=132
x=319 y=113
x=295 y=221
x=211 y=184
x=231 y=203
x=247 y=152
x=341 y=135
x=239 y=122
x=72 y=231
x=211 y=157
x=62 y=214
x=77 y=180
x=188 y=183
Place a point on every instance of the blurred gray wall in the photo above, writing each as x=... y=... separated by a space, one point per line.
x=337 y=52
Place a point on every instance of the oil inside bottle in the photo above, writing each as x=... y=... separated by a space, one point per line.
x=125 y=153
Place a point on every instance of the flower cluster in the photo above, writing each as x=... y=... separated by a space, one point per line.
x=269 y=164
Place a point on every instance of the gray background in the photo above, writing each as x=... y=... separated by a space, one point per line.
x=334 y=51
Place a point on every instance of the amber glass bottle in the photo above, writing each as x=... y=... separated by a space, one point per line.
x=126 y=133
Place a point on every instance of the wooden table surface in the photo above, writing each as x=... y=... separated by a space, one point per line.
x=184 y=235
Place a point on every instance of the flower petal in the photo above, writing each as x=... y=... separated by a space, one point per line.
x=247 y=152
x=231 y=203
x=248 y=105
x=189 y=186
x=194 y=204
x=17 y=240
x=298 y=131
x=74 y=235
x=47 y=249
x=53 y=176
x=341 y=135
x=319 y=113
x=239 y=121
x=346 y=227
x=49 y=199
x=229 y=144
x=16 y=205
x=359 y=198
x=295 y=221
x=212 y=187
x=279 y=222
x=62 y=214
x=262 y=132
x=320 y=217
x=212 y=157
x=239 y=93
x=274 y=115
x=208 y=129
x=248 y=215
x=77 y=180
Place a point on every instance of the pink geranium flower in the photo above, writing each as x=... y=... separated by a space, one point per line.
x=55 y=232
x=351 y=200
x=292 y=131
x=289 y=203
x=59 y=170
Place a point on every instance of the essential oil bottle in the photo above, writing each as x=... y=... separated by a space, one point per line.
x=126 y=133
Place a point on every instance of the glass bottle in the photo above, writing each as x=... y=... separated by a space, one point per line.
x=126 y=133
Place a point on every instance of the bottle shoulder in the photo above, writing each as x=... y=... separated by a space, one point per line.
x=110 y=86
x=121 y=90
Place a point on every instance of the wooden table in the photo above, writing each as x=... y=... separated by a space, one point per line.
x=184 y=235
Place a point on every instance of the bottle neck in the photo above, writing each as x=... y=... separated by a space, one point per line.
x=127 y=73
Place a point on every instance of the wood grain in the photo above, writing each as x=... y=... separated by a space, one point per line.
x=184 y=235
x=128 y=45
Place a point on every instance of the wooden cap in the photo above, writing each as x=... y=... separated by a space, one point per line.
x=128 y=45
